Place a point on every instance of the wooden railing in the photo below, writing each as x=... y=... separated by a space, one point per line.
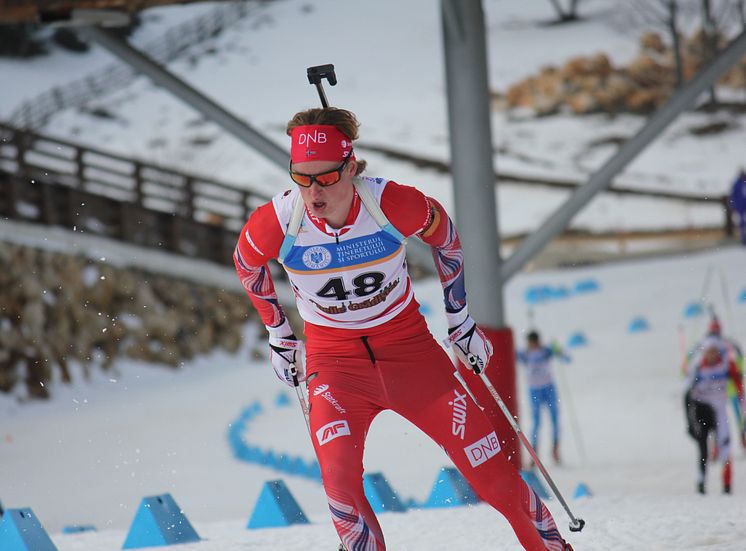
x=57 y=182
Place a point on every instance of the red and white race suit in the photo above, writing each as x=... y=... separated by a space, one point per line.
x=369 y=349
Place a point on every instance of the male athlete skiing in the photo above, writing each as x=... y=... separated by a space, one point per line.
x=340 y=237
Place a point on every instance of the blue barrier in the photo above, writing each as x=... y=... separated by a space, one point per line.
x=530 y=478
x=276 y=507
x=560 y=292
x=693 y=310
x=381 y=495
x=742 y=296
x=314 y=471
x=587 y=286
x=538 y=294
x=78 y=528
x=577 y=340
x=450 y=490
x=282 y=400
x=250 y=453
x=582 y=490
x=20 y=530
x=159 y=521
x=638 y=325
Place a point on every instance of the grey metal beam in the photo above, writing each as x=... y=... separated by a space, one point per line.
x=418 y=253
x=471 y=156
x=210 y=109
x=602 y=178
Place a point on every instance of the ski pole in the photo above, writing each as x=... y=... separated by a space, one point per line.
x=301 y=398
x=306 y=412
x=576 y=524
x=317 y=74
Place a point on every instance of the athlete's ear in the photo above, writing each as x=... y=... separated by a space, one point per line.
x=352 y=167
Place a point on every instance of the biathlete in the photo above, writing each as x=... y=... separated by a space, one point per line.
x=340 y=237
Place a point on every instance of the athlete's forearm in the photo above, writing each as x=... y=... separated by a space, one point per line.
x=257 y=281
x=443 y=238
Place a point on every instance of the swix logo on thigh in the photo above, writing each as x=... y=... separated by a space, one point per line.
x=483 y=449
x=458 y=420
x=320 y=389
x=332 y=430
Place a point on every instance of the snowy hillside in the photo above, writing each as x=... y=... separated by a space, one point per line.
x=395 y=82
x=91 y=454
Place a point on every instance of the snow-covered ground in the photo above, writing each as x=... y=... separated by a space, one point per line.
x=90 y=454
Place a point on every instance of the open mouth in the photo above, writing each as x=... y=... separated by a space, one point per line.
x=318 y=205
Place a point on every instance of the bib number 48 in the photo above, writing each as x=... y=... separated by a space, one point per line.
x=364 y=285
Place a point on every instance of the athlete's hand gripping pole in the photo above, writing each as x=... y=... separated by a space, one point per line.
x=576 y=524
x=317 y=74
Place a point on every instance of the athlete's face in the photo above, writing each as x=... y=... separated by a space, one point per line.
x=329 y=202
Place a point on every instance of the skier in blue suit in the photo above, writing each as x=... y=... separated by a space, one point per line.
x=536 y=358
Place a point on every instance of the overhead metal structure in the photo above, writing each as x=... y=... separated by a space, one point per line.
x=209 y=108
x=604 y=176
x=472 y=170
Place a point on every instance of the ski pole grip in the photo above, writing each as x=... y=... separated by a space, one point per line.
x=294 y=374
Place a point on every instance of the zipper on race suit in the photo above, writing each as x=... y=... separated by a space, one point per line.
x=336 y=237
x=369 y=349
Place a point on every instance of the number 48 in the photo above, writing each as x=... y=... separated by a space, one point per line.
x=365 y=284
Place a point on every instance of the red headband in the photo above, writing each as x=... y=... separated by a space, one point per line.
x=319 y=142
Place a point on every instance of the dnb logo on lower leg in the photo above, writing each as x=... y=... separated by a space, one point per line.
x=481 y=450
x=332 y=430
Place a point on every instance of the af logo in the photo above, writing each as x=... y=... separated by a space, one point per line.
x=317 y=258
x=332 y=430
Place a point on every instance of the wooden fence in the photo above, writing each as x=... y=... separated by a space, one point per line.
x=56 y=182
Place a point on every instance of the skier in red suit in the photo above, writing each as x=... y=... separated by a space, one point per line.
x=341 y=239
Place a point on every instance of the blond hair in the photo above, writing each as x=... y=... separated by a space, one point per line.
x=345 y=121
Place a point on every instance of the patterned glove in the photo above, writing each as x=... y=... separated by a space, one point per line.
x=471 y=345
x=286 y=354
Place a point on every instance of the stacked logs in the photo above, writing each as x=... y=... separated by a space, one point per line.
x=56 y=310
x=592 y=84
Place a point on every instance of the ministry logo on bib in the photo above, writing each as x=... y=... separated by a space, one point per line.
x=317 y=258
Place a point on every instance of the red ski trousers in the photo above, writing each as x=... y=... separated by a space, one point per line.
x=353 y=379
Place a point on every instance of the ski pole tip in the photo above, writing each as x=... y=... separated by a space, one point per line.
x=577 y=525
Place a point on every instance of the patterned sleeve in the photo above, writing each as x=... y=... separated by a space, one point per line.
x=440 y=233
x=413 y=213
x=258 y=243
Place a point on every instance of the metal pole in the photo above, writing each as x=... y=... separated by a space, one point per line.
x=602 y=179
x=160 y=76
x=576 y=524
x=471 y=156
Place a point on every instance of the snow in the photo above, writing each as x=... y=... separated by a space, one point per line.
x=89 y=455
x=394 y=81
x=92 y=452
